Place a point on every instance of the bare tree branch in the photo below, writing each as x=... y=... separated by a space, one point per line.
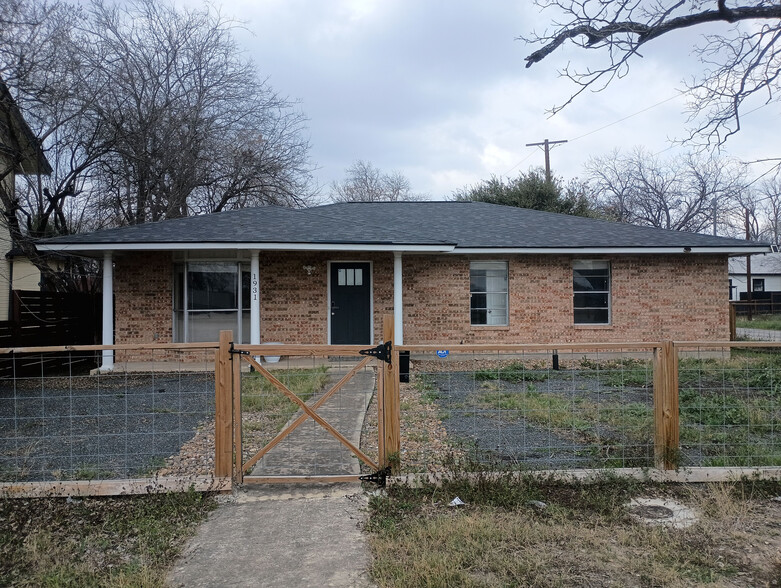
x=737 y=66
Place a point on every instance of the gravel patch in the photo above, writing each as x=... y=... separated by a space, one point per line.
x=99 y=427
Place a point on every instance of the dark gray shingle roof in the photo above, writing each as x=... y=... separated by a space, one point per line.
x=459 y=224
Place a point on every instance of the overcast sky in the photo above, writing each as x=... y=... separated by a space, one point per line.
x=438 y=90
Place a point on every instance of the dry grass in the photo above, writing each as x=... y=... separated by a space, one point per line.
x=126 y=541
x=583 y=537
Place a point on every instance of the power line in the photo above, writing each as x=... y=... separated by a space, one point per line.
x=600 y=128
x=627 y=117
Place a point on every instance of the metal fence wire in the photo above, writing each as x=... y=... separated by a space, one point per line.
x=587 y=409
x=533 y=409
x=730 y=406
x=61 y=419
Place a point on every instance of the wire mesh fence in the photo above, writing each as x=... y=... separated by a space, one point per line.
x=278 y=439
x=586 y=408
x=62 y=419
x=538 y=409
x=730 y=406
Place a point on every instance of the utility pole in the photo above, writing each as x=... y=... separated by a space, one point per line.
x=715 y=204
x=748 y=269
x=546 y=147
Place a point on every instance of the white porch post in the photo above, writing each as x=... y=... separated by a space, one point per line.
x=398 y=304
x=254 y=307
x=108 y=311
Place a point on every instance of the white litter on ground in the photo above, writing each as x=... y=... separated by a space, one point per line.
x=659 y=511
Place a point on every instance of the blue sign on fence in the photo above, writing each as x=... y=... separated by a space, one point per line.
x=443 y=353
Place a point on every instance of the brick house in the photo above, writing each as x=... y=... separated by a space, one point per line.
x=448 y=271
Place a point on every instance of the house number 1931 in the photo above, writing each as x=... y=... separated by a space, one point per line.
x=254 y=286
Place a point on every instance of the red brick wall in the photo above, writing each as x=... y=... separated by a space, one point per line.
x=682 y=297
x=143 y=285
x=653 y=297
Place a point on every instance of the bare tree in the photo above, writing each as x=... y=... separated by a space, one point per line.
x=366 y=183
x=39 y=64
x=770 y=202
x=146 y=112
x=193 y=129
x=680 y=194
x=736 y=65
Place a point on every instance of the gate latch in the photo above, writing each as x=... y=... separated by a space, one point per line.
x=234 y=351
x=381 y=352
x=379 y=477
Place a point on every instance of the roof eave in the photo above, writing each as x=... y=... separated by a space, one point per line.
x=201 y=246
x=615 y=250
x=399 y=247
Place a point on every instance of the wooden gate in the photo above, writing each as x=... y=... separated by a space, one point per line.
x=234 y=360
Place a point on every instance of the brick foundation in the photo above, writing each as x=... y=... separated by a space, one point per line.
x=683 y=297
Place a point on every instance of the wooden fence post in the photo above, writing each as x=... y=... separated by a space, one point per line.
x=733 y=333
x=391 y=412
x=223 y=421
x=666 y=417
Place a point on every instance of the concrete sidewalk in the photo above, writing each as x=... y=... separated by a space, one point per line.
x=758 y=334
x=280 y=536
x=288 y=536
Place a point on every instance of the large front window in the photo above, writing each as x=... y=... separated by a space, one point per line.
x=488 y=292
x=591 y=292
x=210 y=297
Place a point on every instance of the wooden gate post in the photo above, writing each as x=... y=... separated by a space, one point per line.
x=666 y=416
x=391 y=412
x=223 y=421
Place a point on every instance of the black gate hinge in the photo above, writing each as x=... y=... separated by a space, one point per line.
x=379 y=477
x=234 y=351
x=381 y=352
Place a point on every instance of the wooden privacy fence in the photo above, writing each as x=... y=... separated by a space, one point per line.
x=50 y=319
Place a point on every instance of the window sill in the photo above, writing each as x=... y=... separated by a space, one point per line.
x=595 y=327
x=491 y=327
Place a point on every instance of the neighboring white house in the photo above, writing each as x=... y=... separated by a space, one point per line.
x=765 y=274
x=20 y=153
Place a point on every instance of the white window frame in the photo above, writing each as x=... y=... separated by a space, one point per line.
x=183 y=332
x=593 y=264
x=491 y=264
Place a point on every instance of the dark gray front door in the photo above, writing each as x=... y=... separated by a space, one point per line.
x=350 y=303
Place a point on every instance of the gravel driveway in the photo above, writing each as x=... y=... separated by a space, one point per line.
x=98 y=427
x=483 y=416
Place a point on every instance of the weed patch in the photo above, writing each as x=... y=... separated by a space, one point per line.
x=581 y=536
x=125 y=541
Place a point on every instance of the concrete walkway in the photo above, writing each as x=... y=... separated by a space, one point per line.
x=758 y=334
x=289 y=536
x=280 y=537
x=310 y=449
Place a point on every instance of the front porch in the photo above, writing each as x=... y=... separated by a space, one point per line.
x=263 y=297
